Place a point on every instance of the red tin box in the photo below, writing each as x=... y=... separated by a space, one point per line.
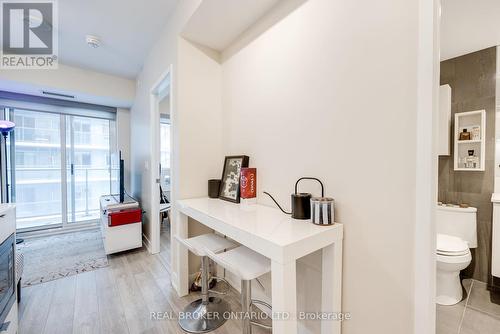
x=248 y=183
x=123 y=217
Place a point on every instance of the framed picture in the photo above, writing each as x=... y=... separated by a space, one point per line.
x=230 y=184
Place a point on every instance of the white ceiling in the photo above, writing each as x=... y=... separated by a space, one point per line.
x=128 y=30
x=468 y=26
x=217 y=23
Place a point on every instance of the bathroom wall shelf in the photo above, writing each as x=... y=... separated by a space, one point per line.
x=469 y=141
x=463 y=161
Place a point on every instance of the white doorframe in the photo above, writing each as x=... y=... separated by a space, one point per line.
x=157 y=93
x=426 y=168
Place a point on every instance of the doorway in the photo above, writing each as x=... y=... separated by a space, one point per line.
x=161 y=157
x=165 y=185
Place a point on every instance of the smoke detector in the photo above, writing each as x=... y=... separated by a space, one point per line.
x=93 y=41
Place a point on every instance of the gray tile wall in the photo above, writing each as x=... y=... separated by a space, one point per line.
x=472 y=78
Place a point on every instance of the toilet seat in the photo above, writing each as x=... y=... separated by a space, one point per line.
x=448 y=245
x=455 y=259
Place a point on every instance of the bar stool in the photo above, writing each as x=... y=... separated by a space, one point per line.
x=248 y=265
x=206 y=313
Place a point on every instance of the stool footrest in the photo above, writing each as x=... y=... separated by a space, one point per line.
x=258 y=324
x=263 y=303
x=260 y=302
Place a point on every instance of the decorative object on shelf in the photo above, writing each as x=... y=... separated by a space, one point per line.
x=471 y=161
x=476 y=132
x=213 y=188
x=464 y=135
x=322 y=210
x=248 y=185
x=301 y=202
x=230 y=183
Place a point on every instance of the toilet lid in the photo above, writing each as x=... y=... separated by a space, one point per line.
x=450 y=245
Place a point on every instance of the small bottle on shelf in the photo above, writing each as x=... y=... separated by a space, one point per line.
x=471 y=161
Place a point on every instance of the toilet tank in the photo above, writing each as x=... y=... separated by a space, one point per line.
x=458 y=222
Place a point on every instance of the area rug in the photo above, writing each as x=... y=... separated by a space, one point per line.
x=62 y=255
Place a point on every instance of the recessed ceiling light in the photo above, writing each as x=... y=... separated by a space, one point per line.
x=93 y=41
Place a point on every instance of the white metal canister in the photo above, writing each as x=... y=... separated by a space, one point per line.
x=322 y=210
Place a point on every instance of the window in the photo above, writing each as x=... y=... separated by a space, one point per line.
x=165 y=153
x=48 y=190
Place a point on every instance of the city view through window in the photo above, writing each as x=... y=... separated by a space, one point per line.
x=62 y=165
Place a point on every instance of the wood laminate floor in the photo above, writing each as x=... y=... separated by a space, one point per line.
x=116 y=299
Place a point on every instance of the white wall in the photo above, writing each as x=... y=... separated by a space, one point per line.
x=330 y=91
x=468 y=26
x=163 y=54
x=199 y=125
x=199 y=120
x=87 y=85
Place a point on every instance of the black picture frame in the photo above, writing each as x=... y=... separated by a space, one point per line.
x=230 y=181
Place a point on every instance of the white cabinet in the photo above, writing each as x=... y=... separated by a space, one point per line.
x=495 y=236
x=470 y=135
x=123 y=237
x=444 y=120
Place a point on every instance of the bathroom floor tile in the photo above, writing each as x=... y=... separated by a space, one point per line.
x=448 y=318
x=477 y=322
x=466 y=283
x=480 y=300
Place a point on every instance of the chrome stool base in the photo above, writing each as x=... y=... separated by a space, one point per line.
x=201 y=318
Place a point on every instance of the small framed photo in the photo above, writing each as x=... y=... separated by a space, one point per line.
x=230 y=184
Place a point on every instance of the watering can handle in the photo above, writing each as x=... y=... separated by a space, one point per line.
x=311 y=178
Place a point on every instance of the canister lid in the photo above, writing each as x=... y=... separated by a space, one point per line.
x=301 y=195
x=322 y=199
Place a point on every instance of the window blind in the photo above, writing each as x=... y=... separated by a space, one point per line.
x=56 y=106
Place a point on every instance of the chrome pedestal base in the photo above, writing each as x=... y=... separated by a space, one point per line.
x=201 y=318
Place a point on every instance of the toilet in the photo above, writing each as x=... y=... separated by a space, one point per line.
x=456 y=234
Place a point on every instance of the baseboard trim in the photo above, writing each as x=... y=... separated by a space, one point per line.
x=173 y=281
x=56 y=231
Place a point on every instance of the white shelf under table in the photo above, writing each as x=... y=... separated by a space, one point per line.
x=275 y=235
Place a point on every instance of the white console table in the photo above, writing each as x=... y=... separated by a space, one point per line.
x=277 y=236
x=124 y=237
